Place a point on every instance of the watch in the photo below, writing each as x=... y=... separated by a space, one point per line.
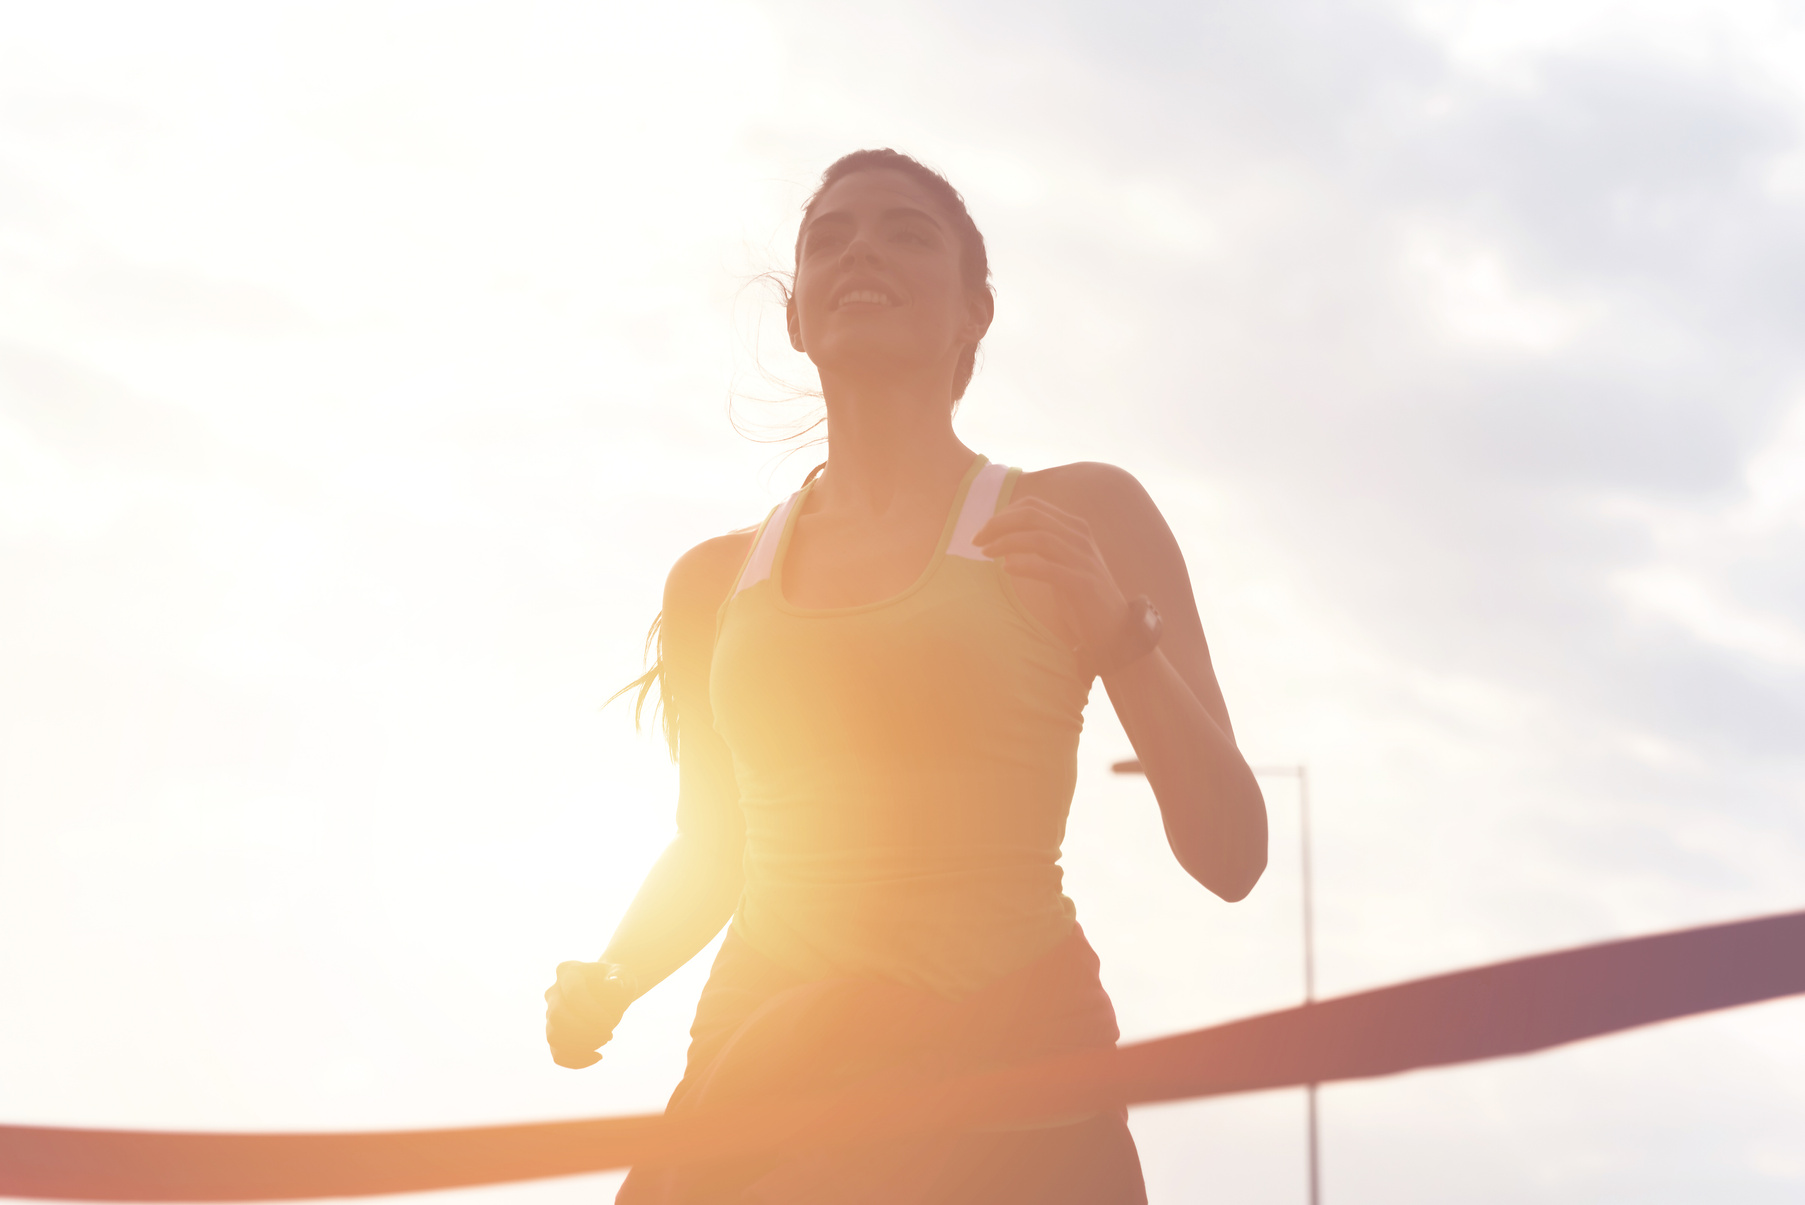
x=1139 y=635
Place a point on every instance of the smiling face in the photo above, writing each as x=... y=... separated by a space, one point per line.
x=879 y=286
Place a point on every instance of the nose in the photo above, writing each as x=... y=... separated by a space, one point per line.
x=859 y=250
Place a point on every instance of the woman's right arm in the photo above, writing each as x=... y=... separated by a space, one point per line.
x=694 y=886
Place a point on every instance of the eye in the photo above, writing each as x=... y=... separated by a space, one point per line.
x=826 y=235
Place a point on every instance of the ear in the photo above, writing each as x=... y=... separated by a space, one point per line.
x=793 y=320
x=981 y=309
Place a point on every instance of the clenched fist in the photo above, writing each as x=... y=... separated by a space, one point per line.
x=582 y=1008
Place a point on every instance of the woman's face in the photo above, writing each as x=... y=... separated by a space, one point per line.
x=878 y=286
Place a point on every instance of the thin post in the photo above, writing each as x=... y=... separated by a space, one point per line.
x=1303 y=811
x=1315 y=1167
x=1303 y=829
x=1302 y=774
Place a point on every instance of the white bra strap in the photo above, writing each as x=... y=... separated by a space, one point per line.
x=764 y=550
x=980 y=504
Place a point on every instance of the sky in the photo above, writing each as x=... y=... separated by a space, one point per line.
x=363 y=368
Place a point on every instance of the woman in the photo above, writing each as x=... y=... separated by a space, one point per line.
x=875 y=698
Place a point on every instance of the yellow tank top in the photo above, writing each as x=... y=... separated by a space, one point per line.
x=905 y=767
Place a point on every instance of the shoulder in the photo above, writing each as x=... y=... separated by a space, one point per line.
x=693 y=593
x=1129 y=529
x=701 y=578
x=1102 y=494
x=1136 y=542
x=709 y=567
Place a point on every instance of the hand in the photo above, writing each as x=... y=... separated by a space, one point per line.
x=582 y=1008
x=1036 y=539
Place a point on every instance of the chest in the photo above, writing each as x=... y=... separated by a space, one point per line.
x=831 y=563
x=952 y=669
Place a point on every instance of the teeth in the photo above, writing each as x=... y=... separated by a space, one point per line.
x=867 y=296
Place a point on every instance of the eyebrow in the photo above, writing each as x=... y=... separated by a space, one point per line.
x=897 y=211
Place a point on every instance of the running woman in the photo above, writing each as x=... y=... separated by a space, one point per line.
x=875 y=699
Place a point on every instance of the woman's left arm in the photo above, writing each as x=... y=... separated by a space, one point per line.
x=1091 y=532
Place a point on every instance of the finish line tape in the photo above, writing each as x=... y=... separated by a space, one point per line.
x=1488 y=1012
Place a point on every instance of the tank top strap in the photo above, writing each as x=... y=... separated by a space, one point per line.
x=764 y=547
x=980 y=503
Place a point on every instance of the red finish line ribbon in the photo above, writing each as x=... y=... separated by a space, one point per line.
x=1488 y=1012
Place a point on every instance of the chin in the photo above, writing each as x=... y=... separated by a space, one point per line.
x=861 y=356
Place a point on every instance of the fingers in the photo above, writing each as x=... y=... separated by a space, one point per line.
x=1054 y=552
x=572 y=1043
x=1040 y=568
x=1046 y=548
x=582 y=1009
x=1042 y=506
x=1032 y=513
x=593 y=992
x=573 y=992
x=569 y=1045
x=569 y=1039
x=574 y=1058
x=1028 y=529
x=1052 y=545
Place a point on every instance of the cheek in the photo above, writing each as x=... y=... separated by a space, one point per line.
x=950 y=300
x=809 y=297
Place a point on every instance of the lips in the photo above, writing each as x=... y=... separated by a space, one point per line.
x=863 y=297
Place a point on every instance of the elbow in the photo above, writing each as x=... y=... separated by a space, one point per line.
x=1249 y=862
x=1231 y=868
x=1221 y=840
x=1229 y=879
x=1238 y=883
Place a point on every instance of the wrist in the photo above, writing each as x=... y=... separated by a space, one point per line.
x=624 y=976
x=1137 y=635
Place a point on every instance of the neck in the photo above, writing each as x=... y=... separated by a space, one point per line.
x=889 y=441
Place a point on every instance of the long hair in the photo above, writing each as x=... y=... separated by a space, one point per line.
x=663 y=706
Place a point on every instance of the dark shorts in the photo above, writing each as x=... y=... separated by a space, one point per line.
x=762 y=1031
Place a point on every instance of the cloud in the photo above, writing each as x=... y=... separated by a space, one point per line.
x=365 y=367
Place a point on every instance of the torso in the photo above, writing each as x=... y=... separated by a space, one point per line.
x=905 y=752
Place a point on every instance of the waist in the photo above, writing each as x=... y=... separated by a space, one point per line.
x=825 y=864
x=892 y=825
x=944 y=929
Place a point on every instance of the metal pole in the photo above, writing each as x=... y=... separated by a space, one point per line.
x=1315 y=1167
x=1300 y=772
x=1303 y=810
x=1303 y=828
